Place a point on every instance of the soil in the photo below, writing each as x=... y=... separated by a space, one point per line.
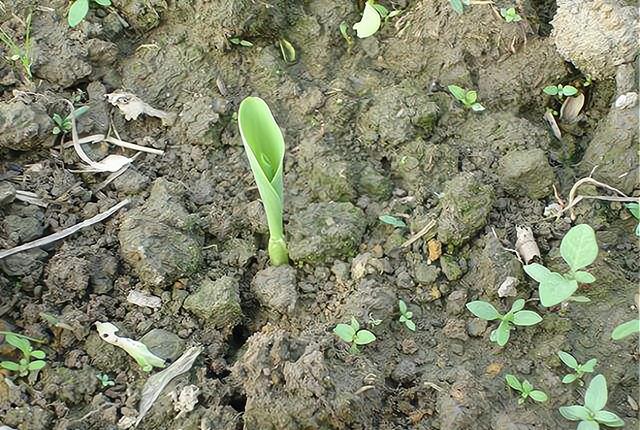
x=369 y=131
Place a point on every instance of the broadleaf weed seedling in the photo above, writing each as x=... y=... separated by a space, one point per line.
x=525 y=389
x=467 y=97
x=63 y=125
x=25 y=364
x=592 y=414
x=578 y=249
x=515 y=316
x=22 y=53
x=105 y=380
x=405 y=316
x=560 y=91
x=240 y=42
x=579 y=369
x=264 y=145
x=393 y=221
x=626 y=329
x=353 y=335
x=634 y=208
x=510 y=15
x=79 y=9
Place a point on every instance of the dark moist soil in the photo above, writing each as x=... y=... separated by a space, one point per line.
x=368 y=133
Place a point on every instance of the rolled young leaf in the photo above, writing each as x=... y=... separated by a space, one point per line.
x=264 y=146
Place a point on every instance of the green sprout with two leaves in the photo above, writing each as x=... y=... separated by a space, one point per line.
x=25 y=364
x=634 y=208
x=63 y=125
x=469 y=98
x=240 y=42
x=510 y=15
x=578 y=249
x=18 y=53
x=592 y=414
x=405 y=316
x=79 y=9
x=371 y=20
x=579 y=369
x=264 y=146
x=560 y=91
x=353 y=335
x=105 y=380
x=516 y=316
x=525 y=389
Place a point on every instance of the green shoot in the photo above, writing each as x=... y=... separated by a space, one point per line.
x=516 y=316
x=467 y=97
x=287 y=50
x=241 y=42
x=352 y=334
x=592 y=414
x=560 y=91
x=79 y=9
x=510 y=15
x=63 y=125
x=344 y=31
x=405 y=316
x=25 y=364
x=105 y=380
x=458 y=5
x=525 y=389
x=634 y=208
x=579 y=369
x=391 y=220
x=579 y=249
x=626 y=329
x=264 y=146
x=22 y=53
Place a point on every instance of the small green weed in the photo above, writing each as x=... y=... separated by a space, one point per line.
x=525 y=389
x=21 y=54
x=63 y=125
x=579 y=249
x=626 y=329
x=344 y=31
x=240 y=42
x=391 y=220
x=592 y=414
x=24 y=365
x=467 y=97
x=579 y=369
x=458 y=5
x=405 y=316
x=515 y=316
x=510 y=15
x=634 y=208
x=352 y=334
x=105 y=380
x=79 y=9
x=560 y=91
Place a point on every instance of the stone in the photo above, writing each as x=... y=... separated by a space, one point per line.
x=24 y=126
x=325 y=231
x=158 y=239
x=131 y=182
x=164 y=344
x=526 y=173
x=465 y=208
x=7 y=193
x=450 y=267
x=69 y=385
x=275 y=288
x=425 y=274
x=476 y=327
x=216 y=302
x=456 y=301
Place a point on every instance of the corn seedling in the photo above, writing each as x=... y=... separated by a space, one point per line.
x=353 y=335
x=405 y=316
x=578 y=249
x=634 y=208
x=264 y=146
x=468 y=98
x=25 y=364
x=63 y=125
x=592 y=414
x=516 y=316
x=626 y=329
x=560 y=91
x=526 y=390
x=391 y=220
x=79 y=9
x=579 y=369
x=510 y=15
x=21 y=54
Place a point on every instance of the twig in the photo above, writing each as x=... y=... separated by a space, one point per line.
x=64 y=233
x=94 y=138
x=573 y=200
x=419 y=234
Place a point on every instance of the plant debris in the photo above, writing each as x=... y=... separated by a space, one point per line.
x=138 y=350
x=526 y=245
x=132 y=106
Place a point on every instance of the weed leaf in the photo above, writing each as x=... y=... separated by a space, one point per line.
x=344 y=332
x=579 y=247
x=568 y=359
x=596 y=396
x=574 y=413
x=569 y=378
x=391 y=220
x=10 y=365
x=537 y=271
x=526 y=318
x=513 y=382
x=457 y=92
x=584 y=277
x=538 y=396
x=609 y=419
x=410 y=325
x=35 y=365
x=364 y=337
x=626 y=329
x=483 y=310
x=77 y=12
x=555 y=289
